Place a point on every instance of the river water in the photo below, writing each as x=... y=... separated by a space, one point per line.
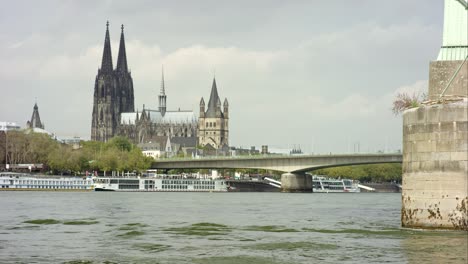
x=106 y=227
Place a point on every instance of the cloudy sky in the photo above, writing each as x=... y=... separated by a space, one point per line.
x=316 y=74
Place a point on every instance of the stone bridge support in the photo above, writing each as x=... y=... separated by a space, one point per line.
x=296 y=182
x=435 y=167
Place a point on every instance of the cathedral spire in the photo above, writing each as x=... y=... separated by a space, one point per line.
x=162 y=95
x=163 y=88
x=122 y=58
x=106 y=65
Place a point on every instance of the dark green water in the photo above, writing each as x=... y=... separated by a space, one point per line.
x=55 y=227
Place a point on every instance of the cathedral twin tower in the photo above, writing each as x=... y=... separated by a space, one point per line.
x=114 y=110
x=113 y=92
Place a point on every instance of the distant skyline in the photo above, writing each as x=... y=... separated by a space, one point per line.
x=316 y=74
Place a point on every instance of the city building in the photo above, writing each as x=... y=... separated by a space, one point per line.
x=8 y=126
x=75 y=142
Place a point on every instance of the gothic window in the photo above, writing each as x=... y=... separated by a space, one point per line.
x=102 y=91
x=102 y=115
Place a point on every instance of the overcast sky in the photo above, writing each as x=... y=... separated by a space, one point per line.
x=316 y=74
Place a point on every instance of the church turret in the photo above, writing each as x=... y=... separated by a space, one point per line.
x=218 y=108
x=226 y=108
x=202 y=108
x=162 y=96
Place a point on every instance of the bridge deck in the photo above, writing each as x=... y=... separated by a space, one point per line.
x=300 y=163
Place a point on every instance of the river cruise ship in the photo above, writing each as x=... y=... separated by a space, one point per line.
x=160 y=183
x=26 y=182
x=330 y=185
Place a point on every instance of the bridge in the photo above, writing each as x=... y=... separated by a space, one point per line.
x=294 y=167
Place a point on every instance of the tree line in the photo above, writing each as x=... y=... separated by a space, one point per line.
x=118 y=154
x=386 y=172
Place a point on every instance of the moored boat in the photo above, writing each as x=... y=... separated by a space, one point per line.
x=160 y=183
x=10 y=181
x=331 y=185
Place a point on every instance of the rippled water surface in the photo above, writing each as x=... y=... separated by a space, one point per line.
x=64 y=227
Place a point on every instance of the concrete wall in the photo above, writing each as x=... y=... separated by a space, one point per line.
x=435 y=167
x=440 y=73
x=296 y=182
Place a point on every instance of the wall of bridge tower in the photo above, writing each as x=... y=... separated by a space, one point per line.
x=435 y=136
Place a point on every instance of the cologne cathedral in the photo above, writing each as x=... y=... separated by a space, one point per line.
x=114 y=112
x=113 y=92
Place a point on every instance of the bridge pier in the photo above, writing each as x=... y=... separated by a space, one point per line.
x=296 y=182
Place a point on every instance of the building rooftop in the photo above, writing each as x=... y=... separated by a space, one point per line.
x=158 y=118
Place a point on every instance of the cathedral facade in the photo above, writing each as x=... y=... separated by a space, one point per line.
x=152 y=124
x=114 y=112
x=113 y=92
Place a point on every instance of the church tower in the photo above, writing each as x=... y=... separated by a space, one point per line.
x=104 y=123
x=35 y=121
x=113 y=92
x=213 y=129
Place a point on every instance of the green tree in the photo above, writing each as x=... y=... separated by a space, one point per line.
x=386 y=172
x=109 y=160
x=121 y=143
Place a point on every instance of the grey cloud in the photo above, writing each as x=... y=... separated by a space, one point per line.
x=279 y=63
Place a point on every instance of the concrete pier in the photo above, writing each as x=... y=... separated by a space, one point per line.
x=435 y=167
x=435 y=136
x=296 y=182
